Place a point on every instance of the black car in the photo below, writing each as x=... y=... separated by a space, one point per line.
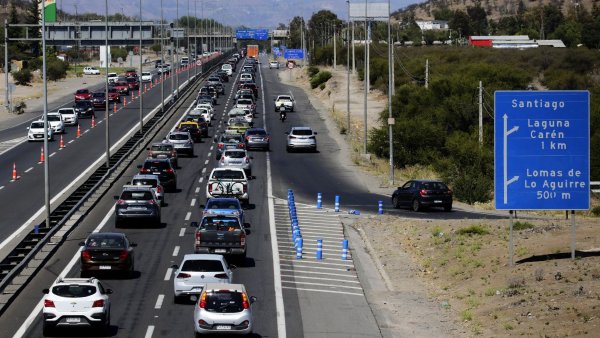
x=220 y=88
x=204 y=97
x=99 y=100
x=419 y=194
x=223 y=76
x=137 y=203
x=84 y=108
x=163 y=168
x=107 y=251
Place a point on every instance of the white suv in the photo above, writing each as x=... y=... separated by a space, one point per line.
x=36 y=132
x=91 y=71
x=301 y=138
x=77 y=302
x=69 y=116
x=225 y=309
x=56 y=122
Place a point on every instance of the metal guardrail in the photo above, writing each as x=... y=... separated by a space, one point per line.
x=38 y=238
x=595 y=184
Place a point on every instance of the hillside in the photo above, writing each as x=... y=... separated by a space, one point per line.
x=494 y=8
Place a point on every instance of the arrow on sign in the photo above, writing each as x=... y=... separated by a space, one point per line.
x=507 y=181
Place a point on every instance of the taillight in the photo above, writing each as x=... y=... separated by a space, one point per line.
x=123 y=254
x=197 y=238
x=223 y=159
x=202 y=303
x=221 y=275
x=170 y=170
x=245 y=188
x=247 y=159
x=173 y=153
x=120 y=202
x=144 y=170
x=220 y=145
x=182 y=275
x=151 y=202
x=48 y=303
x=85 y=255
x=98 y=303
x=423 y=192
x=449 y=192
x=158 y=189
x=245 y=302
x=243 y=238
x=210 y=188
x=247 y=138
x=241 y=145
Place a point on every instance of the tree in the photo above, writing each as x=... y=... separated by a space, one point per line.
x=295 y=37
x=478 y=19
x=320 y=26
x=443 y=13
x=569 y=32
x=461 y=23
x=33 y=17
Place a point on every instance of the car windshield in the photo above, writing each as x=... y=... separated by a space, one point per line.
x=231 y=139
x=145 y=181
x=220 y=223
x=134 y=195
x=224 y=302
x=82 y=91
x=244 y=101
x=285 y=98
x=227 y=66
x=228 y=175
x=179 y=137
x=81 y=104
x=66 y=111
x=302 y=132
x=162 y=147
x=105 y=242
x=202 y=265
x=37 y=125
x=74 y=290
x=53 y=118
x=257 y=132
x=131 y=79
x=98 y=95
x=235 y=154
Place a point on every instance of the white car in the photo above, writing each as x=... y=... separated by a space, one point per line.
x=76 y=302
x=146 y=77
x=227 y=68
x=236 y=158
x=195 y=271
x=208 y=107
x=69 y=115
x=224 y=309
x=241 y=112
x=112 y=77
x=36 y=131
x=246 y=77
x=274 y=64
x=287 y=101
x=202 y=112
x=91 y=71
x=55 y=120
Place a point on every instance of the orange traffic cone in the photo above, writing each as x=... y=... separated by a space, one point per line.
x=61 y=145
x=41 y=155
x=114 y=107
x=93 y=121
x=78 y=131
x=145 y=88
x=14 y=172
x=124 y=101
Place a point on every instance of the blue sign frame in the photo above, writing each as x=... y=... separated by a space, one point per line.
x=252 y=34
x=293 y=54
x=542 y=150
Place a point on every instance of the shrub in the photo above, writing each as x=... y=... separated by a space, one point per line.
x=596 y=210
x=466 y=315
x=518 y=225
x=23 y=77
x=320 y=78
x=56 y=69
x=475 y=229
x=516 y=282
x=312 y=71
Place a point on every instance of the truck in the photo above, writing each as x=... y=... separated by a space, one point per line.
x=228 y=182
x=220 y=234
x=252 y=51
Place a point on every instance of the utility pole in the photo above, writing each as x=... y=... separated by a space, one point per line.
x=366 y=80
x=390 y=94
x=348 y=72
x=196 y=38
x=353 y=56
x=393 y=68
x=106 y=115
x=480 y=114
x=46 y=126
x=6 y=62
x=334 y=49
x=426 y=73
x=140 y=77
x=162 y=59
x=177 y=50
x=187 y=29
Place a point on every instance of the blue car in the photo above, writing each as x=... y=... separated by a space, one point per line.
x=224 y=206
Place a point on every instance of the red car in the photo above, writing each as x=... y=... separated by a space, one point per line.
x=131 y=73
x=133 y=83
x=122 y=87
x=113 y=95
x=83 y=94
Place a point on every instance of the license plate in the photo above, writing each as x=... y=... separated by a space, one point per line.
x=437 y=201
x=73 y=320
x=37 y=136
x=156 y=173
x=223 y=327
x=220 y=251
x=105 y=267
x=161 y=156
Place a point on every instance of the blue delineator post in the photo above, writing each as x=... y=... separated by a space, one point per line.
x=337 y=203
x=36 y=229
x=319 y=201
x=380 y=208
x=345 y=249
x=299 y=249
x=319 y=249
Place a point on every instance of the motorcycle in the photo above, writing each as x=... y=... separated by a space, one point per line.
x=282 y=114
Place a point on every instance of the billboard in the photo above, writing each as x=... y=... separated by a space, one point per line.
x=49 y=10
x=281 y=33
x=252 y=34
x=374 y=11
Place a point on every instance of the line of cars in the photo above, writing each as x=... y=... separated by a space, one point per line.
x=204 y=276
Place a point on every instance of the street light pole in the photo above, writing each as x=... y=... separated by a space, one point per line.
x=162 y=59
x=45 y=94
x=366 y=79
x=187 y=29
x=196 y=37
x=348 y=72
x=6 y=61
x=390 y=93
x=177 y=49
x=140 y=76
x=106 y=116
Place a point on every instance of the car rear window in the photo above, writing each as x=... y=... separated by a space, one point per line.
x=82 y=91
x=224 y=302
x=220 y=223
x=37 y=125
x=98 y=95
x=228 y=174
x=145 y=181
x=74 y=291
x=53 y=117
x=231 y=139
x=302 y=132
x=178 y=137
x=162 y=147
x=434 y=186
x=257 y=132
x=157 y=165
x=202 y=265
x=244 y=101
x=235 y=154
x=102 y=242
x=136 y=195
x=66 y=111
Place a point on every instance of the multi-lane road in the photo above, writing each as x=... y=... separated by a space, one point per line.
x=296 y=298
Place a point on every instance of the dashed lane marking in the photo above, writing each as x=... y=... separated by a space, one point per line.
x=149 y=331
x=71 y=141
x=159 y=301
x=206 y=162
x=193 y=203
x=203 y=171
x=54 y=153
x=324 y=291
x=181 y=232
x=28 y=170
x=2 y=187
x=188 y=215
x=202 y=178
x=176 y=251
x=197 y=190
x=169 y=273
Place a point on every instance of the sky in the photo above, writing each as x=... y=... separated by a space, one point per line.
x=250 y=13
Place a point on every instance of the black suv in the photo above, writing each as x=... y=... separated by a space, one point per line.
x=137 y=202
x=84 y=108
x=419 y=194
x=163 y=168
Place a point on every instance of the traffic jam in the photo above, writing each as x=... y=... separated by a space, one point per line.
x=204 y=276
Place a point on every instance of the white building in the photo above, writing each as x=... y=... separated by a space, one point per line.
x=426 y=25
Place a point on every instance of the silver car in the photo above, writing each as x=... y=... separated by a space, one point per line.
x=182 y=141
x=301 y=138
x=196 y=270
x=236 y=158
x=69 y=116
x=225 y=309
x=154 y=182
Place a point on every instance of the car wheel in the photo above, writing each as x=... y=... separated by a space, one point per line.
x=396 y=202
x=416 y=205
x=176 y=299
x=84 y=274
x=47 y=329
x=118 y=222
x=288 y=149
x=448 y=208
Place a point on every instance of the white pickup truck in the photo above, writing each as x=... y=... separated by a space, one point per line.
x=286 y=101
x=91 y=71
x=228 y=182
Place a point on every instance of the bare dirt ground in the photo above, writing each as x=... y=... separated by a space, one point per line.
x=452 y=277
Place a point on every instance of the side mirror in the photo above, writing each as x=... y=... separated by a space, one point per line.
x=46 y=291
x=194 y=224
x=174 y=266
x=252 y=299
x=109 y=291
x=81 y=243
x=147 y=148
x=315 y=133
x=116 y=197
x=246 y=225
x=133 y=244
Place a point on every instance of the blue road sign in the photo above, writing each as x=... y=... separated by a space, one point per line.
x=252 y=34
x=294 y=54
x=542 y=150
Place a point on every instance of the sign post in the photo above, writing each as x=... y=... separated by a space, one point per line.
x=542 y=151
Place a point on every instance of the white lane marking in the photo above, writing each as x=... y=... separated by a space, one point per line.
x=188 y=215
x=176 y=251
x=71 y=141
x=325 y=279
x=97 y=123
x=54 y=153
x=197 y=190
x=149 y=331
x=297 y=266
x=203 y=171
x=326 y=291
x=279 y=306
x=321 y=284
x=2 y=187
x=11 y=144
x=38 y=308
x=211 y=148
x=159 y=302
x=295 y=272
x=193 y=203
x=169 y=273
x=181 y=232
x=209 y=153
x=28 y=170
x=206 y=162
x=85 y=131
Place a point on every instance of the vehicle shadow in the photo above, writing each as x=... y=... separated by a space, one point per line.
x=141 y=225
x=114 y=275
x=246 y=262
x=249 y=207
x=111 y=331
